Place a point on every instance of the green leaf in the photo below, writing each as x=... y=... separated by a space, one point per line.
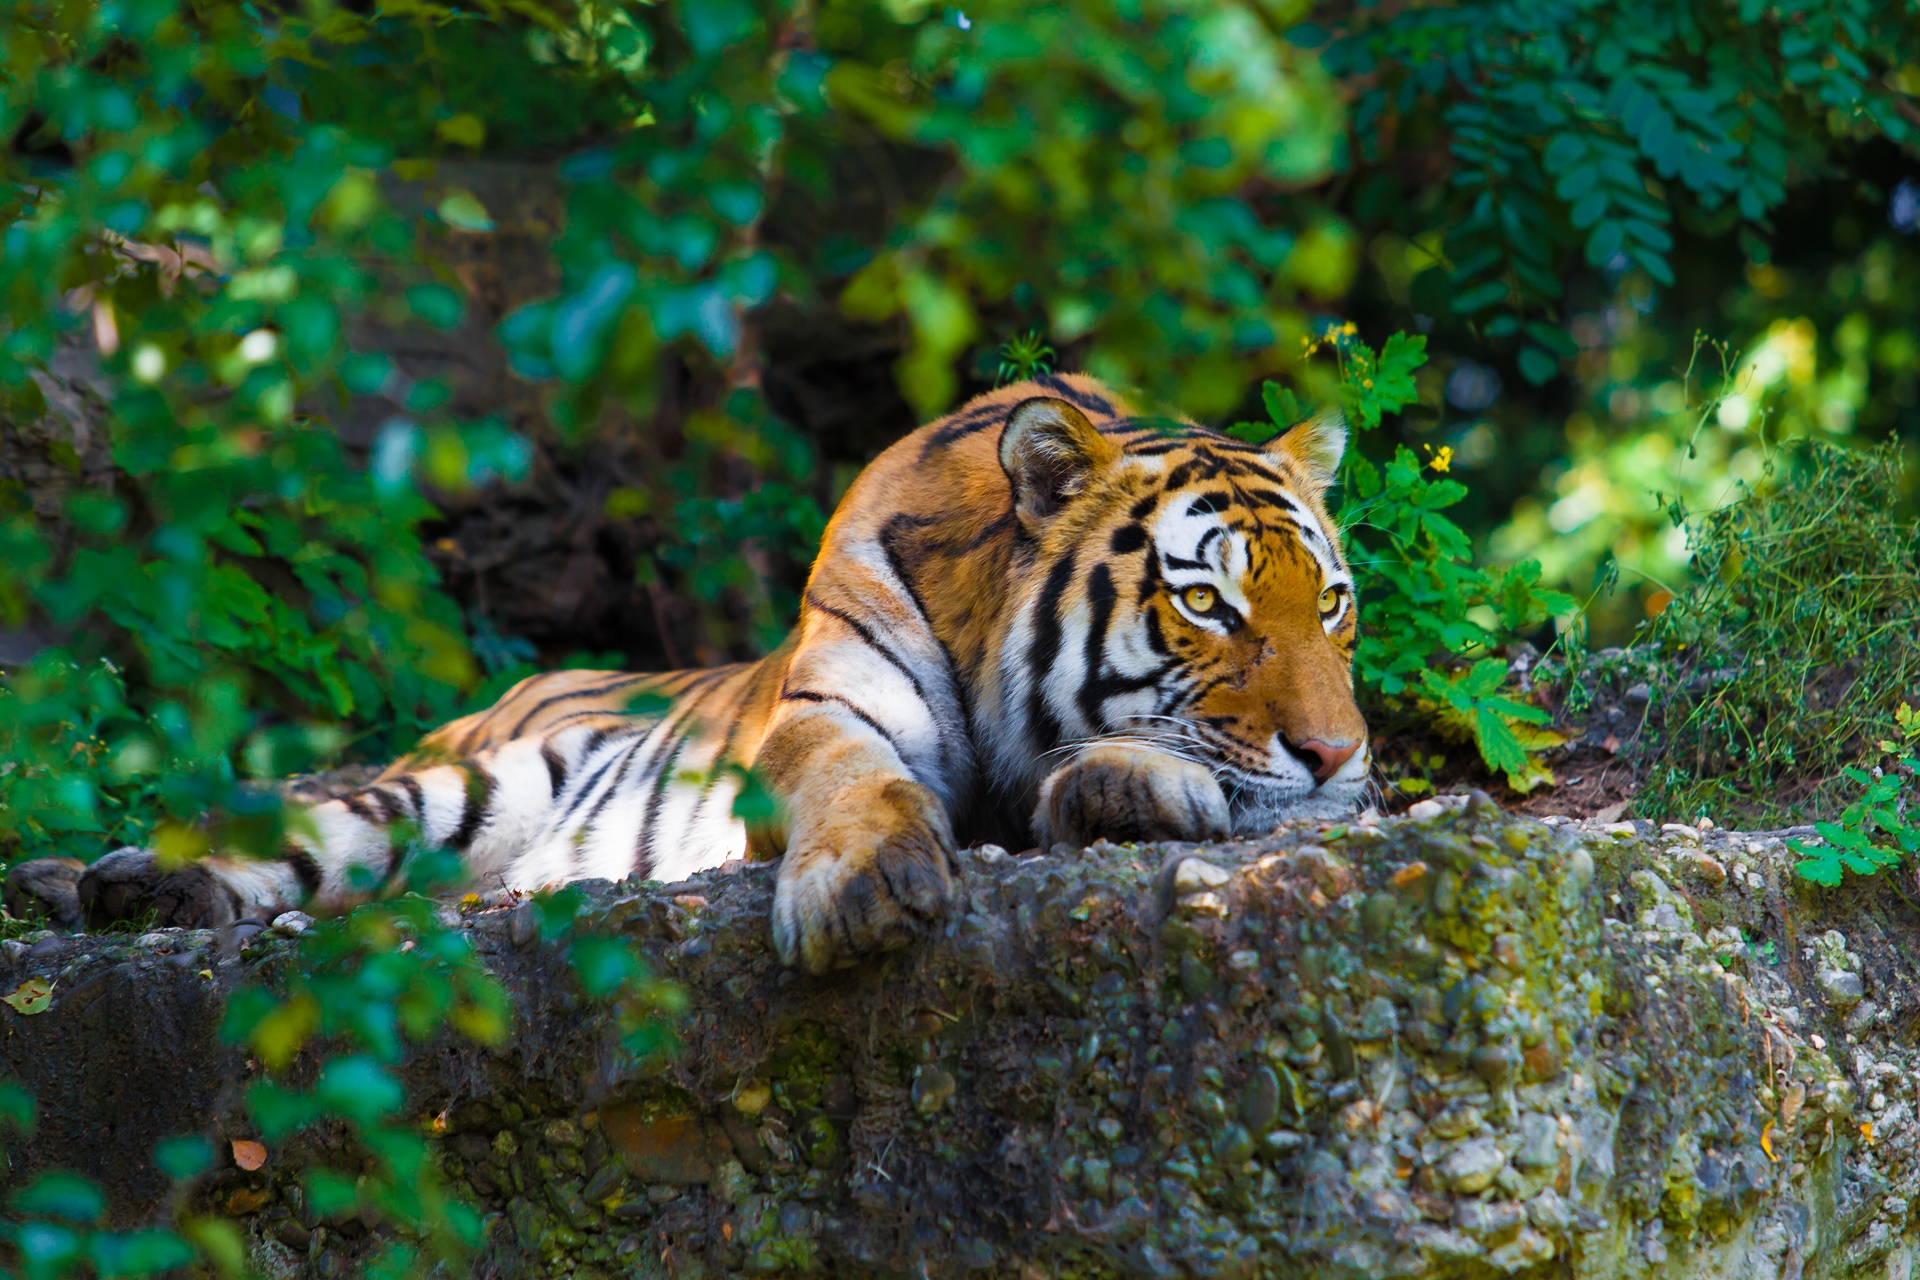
x=1498 y=747
x=438 y=305
x=1253 y=432
x=1282 y=406
x=1821 y=867
x=1538 y=366
x=604 y=965
x=1403 y=355
x=184 y=1157
x=60 y=1195
x=463 y=211
x=1479 y=297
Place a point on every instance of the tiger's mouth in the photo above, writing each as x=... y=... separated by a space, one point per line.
x=1257 y=803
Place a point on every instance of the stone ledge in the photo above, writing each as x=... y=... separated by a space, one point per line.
x=1456 y=1045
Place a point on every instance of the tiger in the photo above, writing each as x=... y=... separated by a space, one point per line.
x=1043 y=619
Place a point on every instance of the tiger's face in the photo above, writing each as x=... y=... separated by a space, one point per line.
x=1191 y=595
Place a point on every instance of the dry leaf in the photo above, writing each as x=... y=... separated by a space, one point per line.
x=245 y=1200
x=34 y=995
x=249 y=1155
x=1612 y=813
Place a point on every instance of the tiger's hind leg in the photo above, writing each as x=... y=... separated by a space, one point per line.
x=131 y=883
x=341 y=851
x=45 y=888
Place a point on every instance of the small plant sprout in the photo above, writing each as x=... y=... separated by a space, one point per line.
x=1025 y=355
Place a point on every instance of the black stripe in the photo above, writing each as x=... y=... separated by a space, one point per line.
x=1101 y=596
x=1150 y=576
x=703 y=680
x=479 y=796
x=605 y=686
x=354 y=805
x=660 y=767
x=1087 y=400
x=1127 y=539
x=389 y=809
x=1209 y=503
x=714 y=773
x=411 y=785
x=889 y=546
x=1155 y=449
x=556 y=768
x=873 y=642
x=625 y=759
x=663 y=776
x=1043 y=727
x=591 y=782
x=808 y=695
x=1155 y=640
x=1271 y=497
x=969 y=422
x=306 y=869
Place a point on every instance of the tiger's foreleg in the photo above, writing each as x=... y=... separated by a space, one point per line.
x=1129 y=791
x=869 y=859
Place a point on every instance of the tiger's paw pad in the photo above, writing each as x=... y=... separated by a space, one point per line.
x=45 y=888
x=873 y=875
x=1124 y=792
x=130 y=884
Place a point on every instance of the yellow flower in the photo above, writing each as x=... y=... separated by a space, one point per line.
x=1442 y=458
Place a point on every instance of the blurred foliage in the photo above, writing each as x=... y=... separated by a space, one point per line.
x=1584 y=130
x=1794 y=647
x=1568 y=196
x=361 y=991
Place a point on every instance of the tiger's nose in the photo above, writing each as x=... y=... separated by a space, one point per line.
x=1330 y=757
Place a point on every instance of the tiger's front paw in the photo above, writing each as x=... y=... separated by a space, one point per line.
x=1124 y=792
x=45 y=887
x=130 y=884
x=871 y=872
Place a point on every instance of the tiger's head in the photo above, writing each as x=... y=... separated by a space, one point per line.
x=1187 y=589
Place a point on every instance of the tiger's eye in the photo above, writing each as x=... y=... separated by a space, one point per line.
x=1200 y=599
x=1329 y=600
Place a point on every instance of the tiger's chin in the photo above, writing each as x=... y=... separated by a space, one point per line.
x=1254 y=815
x=1256 y=811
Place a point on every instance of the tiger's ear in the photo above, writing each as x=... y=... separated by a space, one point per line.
x=1315 y=445
x=1049 y=449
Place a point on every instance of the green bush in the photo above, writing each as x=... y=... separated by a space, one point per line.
x=1582 y=135
x=1795 y=646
